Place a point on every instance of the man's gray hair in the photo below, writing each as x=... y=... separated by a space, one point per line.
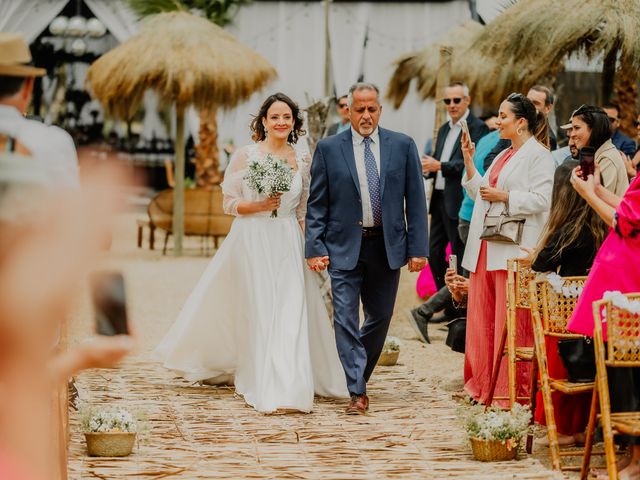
x=356 y=87
x=465 y=89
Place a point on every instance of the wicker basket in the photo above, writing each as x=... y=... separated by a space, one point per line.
x=388 y=359
x=110 y=444
x=492 y=450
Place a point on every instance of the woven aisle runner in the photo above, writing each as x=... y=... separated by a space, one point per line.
x=208 y=432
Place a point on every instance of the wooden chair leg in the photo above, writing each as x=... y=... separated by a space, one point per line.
x=533 y=389
x=588 y=443
x=139 y=236
x=511 y=354
x=152 y=236
x=166 y=239
x=496 y=366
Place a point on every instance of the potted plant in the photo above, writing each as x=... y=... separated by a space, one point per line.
x=109 y=431
x=390 y=352
x=495 y=434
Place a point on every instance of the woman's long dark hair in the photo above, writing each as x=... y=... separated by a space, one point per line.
x=257 y=127
x=570 y=214
x=537 y=125
x=597 y=121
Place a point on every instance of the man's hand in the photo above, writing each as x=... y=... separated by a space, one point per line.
x=417 y=263
x=318 y=264
x=429 y=164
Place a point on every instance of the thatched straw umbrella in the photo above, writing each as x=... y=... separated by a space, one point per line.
x=527 y=44
x=423 y=65
x=531 y=40
x=186 y=60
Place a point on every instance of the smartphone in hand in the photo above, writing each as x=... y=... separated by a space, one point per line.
x=453 y=262
x=587 y=161
x=109 y=303
x=465 y=127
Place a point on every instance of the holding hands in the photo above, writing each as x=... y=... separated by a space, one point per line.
x=416 y=263
x=318 y=264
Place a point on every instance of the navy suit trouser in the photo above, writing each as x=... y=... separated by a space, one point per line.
x=373 y=282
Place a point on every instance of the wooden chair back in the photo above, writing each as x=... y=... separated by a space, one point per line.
x=557 y=307
x=519 y=275
x=623 y=331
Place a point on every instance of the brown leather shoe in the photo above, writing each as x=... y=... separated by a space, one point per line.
x=358 y=405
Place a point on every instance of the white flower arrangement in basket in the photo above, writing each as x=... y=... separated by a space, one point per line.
x=495 y=434
x=109 y=431
x=560 y=286
x=390 y=352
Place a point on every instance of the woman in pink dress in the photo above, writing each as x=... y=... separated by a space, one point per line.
x=520 y=180
x=616 y=267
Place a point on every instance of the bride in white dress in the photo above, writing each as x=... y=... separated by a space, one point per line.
x=256 y=317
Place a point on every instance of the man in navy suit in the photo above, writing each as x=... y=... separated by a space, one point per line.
x=366 y=218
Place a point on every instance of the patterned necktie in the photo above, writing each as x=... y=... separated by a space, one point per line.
x=373 y=180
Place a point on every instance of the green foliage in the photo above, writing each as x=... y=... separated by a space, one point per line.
x=220 y=12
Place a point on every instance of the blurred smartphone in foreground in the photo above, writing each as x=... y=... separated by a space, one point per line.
x=587 y=161
x=453 y=262
x=465 y=127
x=109 y=303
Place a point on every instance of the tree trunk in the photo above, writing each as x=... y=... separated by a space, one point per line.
x=178 y=191
x=608 y=75
x=207 y=160
x=626 y=94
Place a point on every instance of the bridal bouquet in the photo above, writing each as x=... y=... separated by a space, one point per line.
x=271 y=176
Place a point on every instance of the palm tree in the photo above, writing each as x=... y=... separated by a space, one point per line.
x=220 y=12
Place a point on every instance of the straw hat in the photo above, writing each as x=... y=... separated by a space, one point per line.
x=15 y=57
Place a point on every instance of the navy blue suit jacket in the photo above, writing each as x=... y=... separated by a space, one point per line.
x=333 y=225
x=624 y=143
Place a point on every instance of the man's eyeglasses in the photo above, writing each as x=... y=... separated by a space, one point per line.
x=343 y=105
x=447 y=101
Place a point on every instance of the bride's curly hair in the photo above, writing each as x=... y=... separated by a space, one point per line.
x=257 y=127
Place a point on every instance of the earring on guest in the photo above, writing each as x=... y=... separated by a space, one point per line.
x=519 y=131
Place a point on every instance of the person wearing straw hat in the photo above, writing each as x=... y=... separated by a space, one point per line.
x=48 y=144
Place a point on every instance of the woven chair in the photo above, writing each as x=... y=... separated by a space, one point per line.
x=519 y=275
x=550 y=312
x=622 y=350
x=203 y=214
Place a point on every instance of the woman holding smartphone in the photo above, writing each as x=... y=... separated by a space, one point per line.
x=590 y=127
x=519 y=180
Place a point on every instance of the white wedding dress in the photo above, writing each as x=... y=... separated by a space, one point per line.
x=256 y=315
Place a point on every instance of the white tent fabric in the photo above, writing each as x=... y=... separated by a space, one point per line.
x=28 y=17
x=290 y=35
x=116 y=16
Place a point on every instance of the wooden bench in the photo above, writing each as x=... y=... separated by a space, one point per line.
x=203 y=215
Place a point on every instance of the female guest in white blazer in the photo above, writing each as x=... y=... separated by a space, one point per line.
x=521 y=180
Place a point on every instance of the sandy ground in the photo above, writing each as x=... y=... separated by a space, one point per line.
x=158 y=285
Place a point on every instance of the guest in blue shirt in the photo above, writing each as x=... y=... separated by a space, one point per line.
x=623 y=143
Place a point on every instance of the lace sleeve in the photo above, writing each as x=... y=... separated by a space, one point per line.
x=233 y=179
x=304 y=165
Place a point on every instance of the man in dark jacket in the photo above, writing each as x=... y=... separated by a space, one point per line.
x=446 y=167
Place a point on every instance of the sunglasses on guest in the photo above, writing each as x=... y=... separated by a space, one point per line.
x=456 y=100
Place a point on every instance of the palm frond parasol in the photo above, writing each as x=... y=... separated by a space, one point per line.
x=187 y=60
x=423 y=65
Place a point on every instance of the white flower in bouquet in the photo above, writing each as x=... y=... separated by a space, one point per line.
x=269 y=177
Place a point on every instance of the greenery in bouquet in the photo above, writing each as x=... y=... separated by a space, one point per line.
x=269 y=177
x=391 y=344
x=108 y=420
x=506 y=426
